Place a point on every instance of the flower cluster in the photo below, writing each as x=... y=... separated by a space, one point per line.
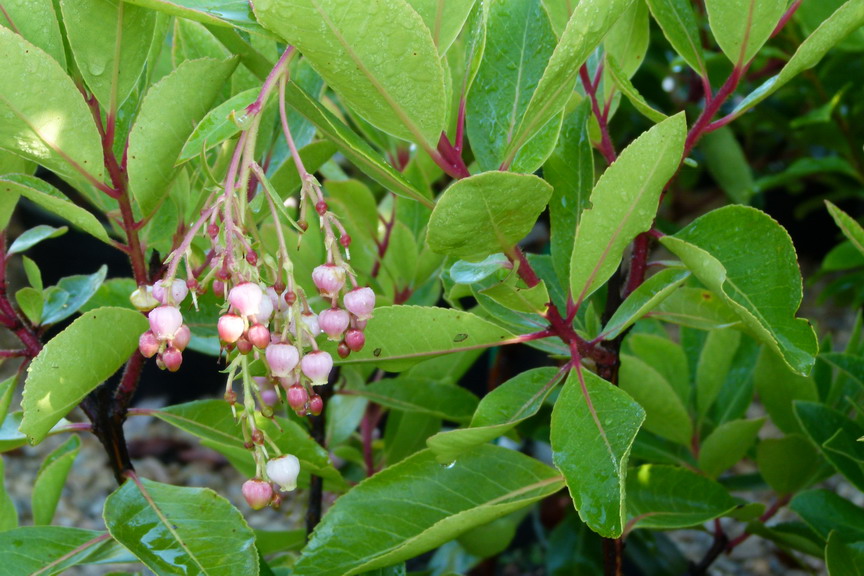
x=168 y=336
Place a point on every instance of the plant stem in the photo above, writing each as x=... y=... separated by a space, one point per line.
x=612 y=554
x=316 y=483
x=9 y=317
x=606 y=148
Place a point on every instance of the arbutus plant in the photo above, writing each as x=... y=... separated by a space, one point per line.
x=367 y=213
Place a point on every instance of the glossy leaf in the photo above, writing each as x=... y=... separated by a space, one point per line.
x=627 y=41
x=8 y=512
x=218 y=125
x=631 y=93
x=727 y=444
x=390 y=75
x=74 y=362
x=29 y=550
x=52 y=127
x=30 y=302
x=11 y=438
x=822 y=424
x=665 y=414
x=593 y=427
x=180 y=530
x=34 y=236
x=519 y=42
x=850 y=228
x=500 y=411
x=666 y=357
x=110 y=41
x=623 y=204
x=463 y=272
x=51 y=478
x=46 y=196
x=715 y=361
x=852 y=366
x=7 y=390
x=696 y=308
x=234 y=13
x=741 y=27
x=642 y=300
x=728 y=165
x=426 y=397
x=848 y=18
x=487 y=213
x=779 y=388
x=826 y=511
x=73 y=292
x=444 y=19
x=418 y=504
x=760 y=281
x=169 y=112
x=667 y=497
x=589 y=23
x=787 y=464
x=36 y=21
x=678 y=22
x=570 y=171
x=844 y=558
x=350 y=144
x=397 y=337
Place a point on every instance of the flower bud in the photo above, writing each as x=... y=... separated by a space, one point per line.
x=259 y=336
x=310 y=319
x=316 y=366
x=173 y=295
x=246 y=298
x=360 y=302
x=343 y=350
x=329 y=279
x=243 y=345
x=172 y=358
x=297 y=397
x=257 y=493
x=282 y=359
x=148 y=344
x=230 y=328
x=355 y=340
x=218 y=289
x=316 y=404
x=165 y=321
x=284 y=470
x=276 y=299
x=265 y=310
x=182 y=337
x=334 y=321
x=269 y=397
x=142 y=298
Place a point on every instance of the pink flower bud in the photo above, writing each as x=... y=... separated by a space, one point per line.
x=246 y=298
x=265 y=311
x=334 y=321
x=259 y=336
x=269 y=397
x=276 y=299
x=173 y=295
x=310 y=319
x=329 y=279
x=284 y=470
x=257 y=493
x=243 y=345
x=360 y=302
x=343 y=350
x=182 y=337
x=165 y=321
x=297 y=397
x=316 y=404
x=148 y=344
x=355 y=340
x=172 y=358
x=230 y=327
x=282 y=359
x=218 y=289
x=316 y=366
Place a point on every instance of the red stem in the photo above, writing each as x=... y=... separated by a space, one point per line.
x=9 y=317
x=606 y=148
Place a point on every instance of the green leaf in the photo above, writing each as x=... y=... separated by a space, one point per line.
x=8 y=512
x=778 y=388
x=631 y=93
x=570 y=171
x=696 y=308
x=518 y=298
x=112 y=292
x=787 y=464
x=74 y=362
x=418 y=504
x=519 y=42
x=350 y=144
x=822 y=424
x=593 y=427
x=30 y=302
x=422 y=396
x=11 y=438
x=390 y=75
x=852 y=366
x=46 y=550
x=397 y=337
x=474 y=219
x=667 y=498
x=463 y=272
x=179 y=530
x=825 y=512
x=51 y=478
x=844 y=558
x=590 y=21
x=499 y=411
x=666 y=357
x=715 y=361
x=218 y=125
x=847 y=19
x=74 y=292
x=7 y=390
x=48 y=197
x=36 y=21
x=52 y=127
x=34 y=236
x=678 y=22
x=741 y=27
x=727 y=444
x=444 y=19
x=665 y=414
x=623 y=204
x=169 y=112
x=110 y=41
x=760 y=280
x=627 y=41
x=727 y=164
x=233 y=13
x=8 y=202
x=286 y=180
x=645 y=298
x=850 y=228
